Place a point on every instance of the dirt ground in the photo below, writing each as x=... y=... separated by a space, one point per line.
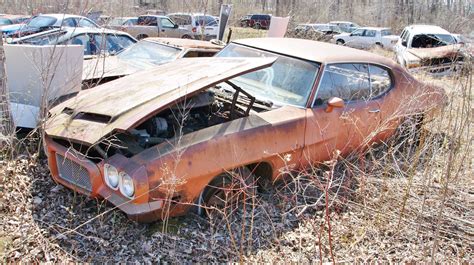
x=403 y=204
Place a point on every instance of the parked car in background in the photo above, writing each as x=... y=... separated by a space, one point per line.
x=257 y=108
x=367 y=37
x=13 y=19
x=156 y=26
x=428 y=47
x=346 y=26
x=119 y=22
x=49 y=21
x=144 y=54
x=322 y=28
x=95 y=41
x=203 y=27
x=256 y=21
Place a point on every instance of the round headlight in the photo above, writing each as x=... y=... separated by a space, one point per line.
x=111 y=176
x=126 y=185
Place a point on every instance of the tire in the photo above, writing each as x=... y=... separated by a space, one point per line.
x=379 y=45
x=340 y=42
x=186 y=36
x=226 y=192
x=141 y=36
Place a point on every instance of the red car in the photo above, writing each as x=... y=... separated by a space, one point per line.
x=257 y=21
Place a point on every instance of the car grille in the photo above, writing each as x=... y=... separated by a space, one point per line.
x=73 y=173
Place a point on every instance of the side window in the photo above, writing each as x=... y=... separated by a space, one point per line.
x=346 y=81
x=405 y=38
x=369 y=33
x=148 y=21
x=166 y=23
x=69 y=22
x=83 y=40
x=86 y=23
x=358 y=32
x=380 y=81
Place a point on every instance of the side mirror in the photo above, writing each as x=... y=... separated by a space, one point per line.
x=334 y=102
x=176 y=26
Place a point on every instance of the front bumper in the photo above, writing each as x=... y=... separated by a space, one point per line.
x=75 y=171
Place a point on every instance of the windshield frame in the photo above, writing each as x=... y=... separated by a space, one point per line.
x=312 y=87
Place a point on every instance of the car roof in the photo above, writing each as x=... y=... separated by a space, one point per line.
x=60 y=16
x=316 y=51
x=374 y=28
x=427 y=29
x=339 y=21
x=186 y=43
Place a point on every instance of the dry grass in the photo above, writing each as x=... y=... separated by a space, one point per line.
x=400 y=201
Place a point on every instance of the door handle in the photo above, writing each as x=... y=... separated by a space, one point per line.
x=374 y=111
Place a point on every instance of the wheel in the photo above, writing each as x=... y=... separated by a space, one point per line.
x=141 y=36
x=225 y=193
x=379 y=45
x=186 y=37
x=340 y=42
x=257 y=26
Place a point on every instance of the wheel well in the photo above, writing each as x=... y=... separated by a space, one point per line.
x=262 y=170
x=340 y=40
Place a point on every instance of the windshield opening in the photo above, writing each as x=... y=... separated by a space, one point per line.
x=287 y=82
x=432 y=40
x=151 y=52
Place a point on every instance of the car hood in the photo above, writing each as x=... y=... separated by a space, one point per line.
x=110 y=66
x=126 y=102
x=438 y=52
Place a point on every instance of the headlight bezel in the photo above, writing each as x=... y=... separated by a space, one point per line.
x=107 y=169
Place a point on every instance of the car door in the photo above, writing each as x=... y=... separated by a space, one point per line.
x=355 y=38
x=347 y=128
x=168 y=28
x=369 y=38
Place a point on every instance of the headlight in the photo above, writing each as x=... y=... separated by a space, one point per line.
x=111 y=176
x=126 y=185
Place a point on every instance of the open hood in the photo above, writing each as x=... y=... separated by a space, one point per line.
x=122 y=104
x=438 y=52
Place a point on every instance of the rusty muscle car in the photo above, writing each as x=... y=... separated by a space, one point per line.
x=171 y=139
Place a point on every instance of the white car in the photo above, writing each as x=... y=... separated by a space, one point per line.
x=429 y=46
x=346 y=26
x=367 y=37
x=204 y=27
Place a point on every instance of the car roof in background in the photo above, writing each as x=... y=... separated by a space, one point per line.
x=374 y=28
x=427 y=29
x=185 y=43
x=314 y=50
x=60 y=16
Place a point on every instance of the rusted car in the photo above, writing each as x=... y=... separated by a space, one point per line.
x=143 y=55
x=178 y=137
x=430 y=48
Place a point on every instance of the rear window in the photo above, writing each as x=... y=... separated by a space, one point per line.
x=147 y=21
x=386 y=32
x=42 y=21
x=5 y=21
x=182 y=20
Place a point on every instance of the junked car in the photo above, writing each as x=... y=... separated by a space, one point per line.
x=346 y=26
x=203 y=27
x=13 y=19
x=119 y=22
x=187 y=135
x=427 y=47
x=367 y=37
x=49 y=21
x=145 y=54
x=156 y=26
x=95 y=41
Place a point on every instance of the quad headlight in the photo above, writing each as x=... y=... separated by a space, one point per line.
x=127 y=187
x=111 y=176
